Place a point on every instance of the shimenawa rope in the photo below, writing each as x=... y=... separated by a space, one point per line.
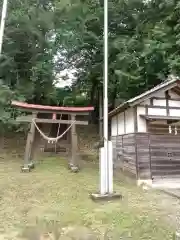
x=49 y=139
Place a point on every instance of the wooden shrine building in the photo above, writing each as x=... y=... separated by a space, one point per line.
x=145 y=132
x=52 y=129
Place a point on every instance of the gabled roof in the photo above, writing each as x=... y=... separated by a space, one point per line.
x=171 y=82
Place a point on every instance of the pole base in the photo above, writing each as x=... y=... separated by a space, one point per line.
x=31 y=165
x=73 y=168
x=105 y=197
x=177 y=236
x=25 y=169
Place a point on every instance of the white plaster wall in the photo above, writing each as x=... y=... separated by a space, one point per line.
x=156 y=111
x=121 y=124
x=161 y=94
x=124 y=125
x=158 y=102
x=174 y=112
x=173 y=103
x=129 y=120
x=141 y=123
x=113 y=126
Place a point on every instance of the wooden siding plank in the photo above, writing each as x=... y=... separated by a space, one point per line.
x=129 y=155
x=125 y=151
x=113 y=139
x=117 y=150
x=135 y=119
x=143 y=156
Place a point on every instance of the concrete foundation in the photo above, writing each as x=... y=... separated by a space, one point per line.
x=105 y=197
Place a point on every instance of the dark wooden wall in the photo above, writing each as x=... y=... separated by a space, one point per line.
x=165 y=155
x=164 y=151
x=148 y=155
x=113 y=139
x=131 y=153
x=124 y=154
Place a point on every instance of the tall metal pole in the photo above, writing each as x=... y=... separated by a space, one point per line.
x=105 y=117
x=3 y=19
x=105 y=153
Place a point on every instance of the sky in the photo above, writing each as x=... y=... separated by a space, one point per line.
x=63 y=83
x=68 y=73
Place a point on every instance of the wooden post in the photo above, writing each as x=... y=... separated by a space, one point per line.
x=54 y=116
x=74 y=145
x=33 y=131
x=167 y=102
x=29 y=147
x=69 y=134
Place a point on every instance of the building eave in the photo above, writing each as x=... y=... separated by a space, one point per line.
x=119 y=109
x=145 y=96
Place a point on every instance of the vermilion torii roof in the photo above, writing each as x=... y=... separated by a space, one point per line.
x=27 y=106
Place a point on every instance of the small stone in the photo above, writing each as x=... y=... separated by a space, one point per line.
x=79 y=233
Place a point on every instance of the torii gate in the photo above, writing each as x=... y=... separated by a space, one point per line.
x=54 y=110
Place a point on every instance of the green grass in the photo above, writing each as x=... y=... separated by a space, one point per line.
x=51 y=197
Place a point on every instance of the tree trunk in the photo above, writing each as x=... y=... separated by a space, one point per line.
x=93 y=93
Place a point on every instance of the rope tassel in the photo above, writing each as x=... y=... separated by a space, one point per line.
x=170 y=129
x=175 y=130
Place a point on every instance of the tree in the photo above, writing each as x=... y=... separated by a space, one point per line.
x=44 y=37
x=143 y=45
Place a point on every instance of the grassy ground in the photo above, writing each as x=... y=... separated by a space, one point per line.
x=51 y=199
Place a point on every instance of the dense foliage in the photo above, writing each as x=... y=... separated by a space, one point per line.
x=143 y=45
x=44 y=37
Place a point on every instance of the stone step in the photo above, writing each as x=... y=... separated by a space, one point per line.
x=166 y=183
